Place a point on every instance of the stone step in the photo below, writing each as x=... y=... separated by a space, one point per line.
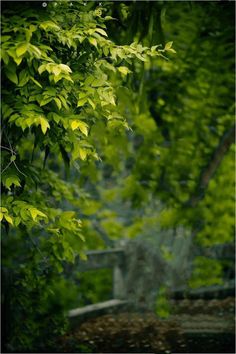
x=80 y=314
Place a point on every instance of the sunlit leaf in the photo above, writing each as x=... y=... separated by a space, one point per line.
x=93 y=41
x=124 y=70
x=21 y=49
x=44 y=125
x=83 y=127
x=82 y=101
x=49 y=25
x=12 y=180
x=8 y=219
x=82 y=153
x=101 y=31
x=65 y=68
x=58 y=102
x=35 y=212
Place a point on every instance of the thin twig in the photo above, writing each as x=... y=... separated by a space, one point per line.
x=13 y=153
x=6 y=148
x=6 y=167
x=18 y=169
x=9 y=142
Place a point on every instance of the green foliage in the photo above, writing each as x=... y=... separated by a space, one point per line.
x=220 y=219
x=103 y=137
x=95 y=286
x=54 y=104
x=162 y=305
x=206 y=272
x=179 y=111
x=61 y=75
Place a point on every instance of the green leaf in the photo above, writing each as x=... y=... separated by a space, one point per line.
x=56 y=70
x=83 y=127
x=35 y=212
x=23 y=77
x=82 y=153
x=55 y=117
x=99 y=81
x=42 y=68
x=12 y=76
x=92 y=104
x=58 y=102
x=36 y=82
x=171 y=50
x=45 y=101
x=61 y=76
x=82 y=102
x=65 y=68
x=109 y=98
x=5 y=38
x=35 y=51
x=28 y=35
x=75 y=152
x=50 y=91
x=3 y=210
x=8 y=219
x=168 y=47
x=18 y=60
x=108 y=18
x=12 y=180
x=81 y=236
x=124 y=70
x=93 y=41
x=40 y=213
x=49 y=25
x=101 y=31
x=17 y=221
x=6 y=110
x=58 y=77
x=88 y=82
x=74 y=124
x=21 y=49
x=44 y=124
x=4 y=56
x=63 y=101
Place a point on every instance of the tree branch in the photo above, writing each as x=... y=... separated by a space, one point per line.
x=218 y=155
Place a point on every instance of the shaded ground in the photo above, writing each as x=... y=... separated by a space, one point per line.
x=203 y=326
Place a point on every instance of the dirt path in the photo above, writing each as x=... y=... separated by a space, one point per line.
x=195 y=326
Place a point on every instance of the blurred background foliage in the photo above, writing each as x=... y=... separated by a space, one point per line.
x=151 y=160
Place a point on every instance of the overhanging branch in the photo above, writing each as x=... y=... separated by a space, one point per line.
x=218 y=155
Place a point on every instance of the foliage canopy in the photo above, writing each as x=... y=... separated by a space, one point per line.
x=100 y=119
